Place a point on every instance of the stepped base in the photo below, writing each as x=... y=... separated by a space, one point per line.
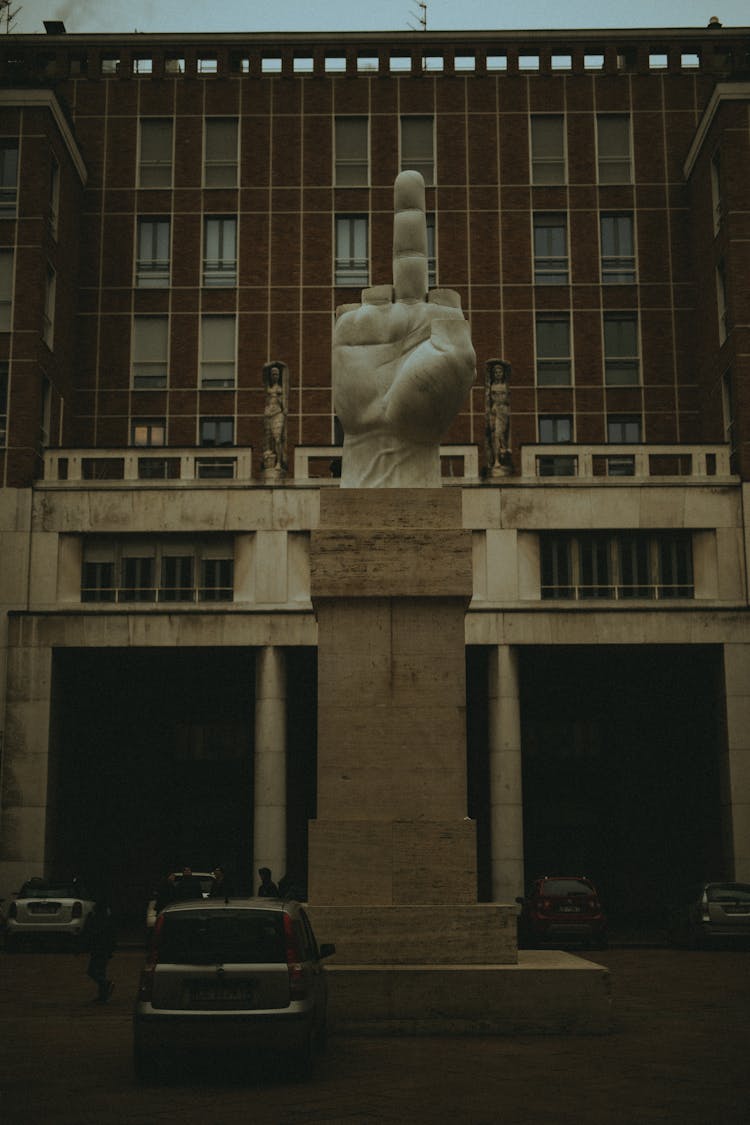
x=546 y=992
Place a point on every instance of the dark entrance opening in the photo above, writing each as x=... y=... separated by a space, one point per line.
x=621 y=754
x=151 y=766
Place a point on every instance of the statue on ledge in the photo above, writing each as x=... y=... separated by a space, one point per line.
x=274 y=422
x=497 y=418
x=403 y=363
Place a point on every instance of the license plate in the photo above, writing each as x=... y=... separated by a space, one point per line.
x=736 y=910
x=221 y=993
x=568 y=909
x=44 y=908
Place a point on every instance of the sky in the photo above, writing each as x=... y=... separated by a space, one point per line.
x=354 y=15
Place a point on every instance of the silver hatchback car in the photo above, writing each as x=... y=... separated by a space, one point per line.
x=46 y=909
x=225 y=974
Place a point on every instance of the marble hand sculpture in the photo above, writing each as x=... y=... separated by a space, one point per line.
x=403 y=363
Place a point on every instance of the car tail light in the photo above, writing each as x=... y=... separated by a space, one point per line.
x=77 y=911
x=293 y=961
x=13 y=910
x=595 y=906
x=146 y=985
x=546 y=906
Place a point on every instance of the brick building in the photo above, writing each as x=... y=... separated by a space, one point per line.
x=176 y=212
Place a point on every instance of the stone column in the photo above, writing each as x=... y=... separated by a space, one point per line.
x=269 y=831
x=506 y=795
x=736 y=779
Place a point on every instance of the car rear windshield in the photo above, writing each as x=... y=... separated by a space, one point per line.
x=728 y=892
x=235 y=936
x=566 y=887
x=51 y=890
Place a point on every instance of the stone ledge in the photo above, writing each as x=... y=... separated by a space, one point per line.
x=546 y=992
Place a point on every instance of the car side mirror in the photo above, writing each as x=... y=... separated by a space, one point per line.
x=327 y=949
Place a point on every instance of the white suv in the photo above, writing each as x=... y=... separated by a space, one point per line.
x=222 y=974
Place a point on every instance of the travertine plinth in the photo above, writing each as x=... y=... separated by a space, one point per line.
x=390 y=580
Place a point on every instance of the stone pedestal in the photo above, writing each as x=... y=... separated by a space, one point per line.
x=391 y=576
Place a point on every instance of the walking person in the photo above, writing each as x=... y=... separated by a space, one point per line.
x=267 y=888
x=100 y=940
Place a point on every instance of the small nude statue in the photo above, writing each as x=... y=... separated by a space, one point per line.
x=498 y=418
x=274 y=421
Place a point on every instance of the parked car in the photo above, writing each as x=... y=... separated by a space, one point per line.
x=47 y=909
x=562 y=909
x=711 y=912
x=241 y=973
x=205 y=878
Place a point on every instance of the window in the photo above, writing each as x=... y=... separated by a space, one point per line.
x=613 y=148
x=553 y=363
x=8 y=177
x=431 y=250
x=220 y=251
x=716 y=189
x=216 y=431
x=152 y=261
x=153 y=571
x=46 y=416
x=150 y=351
x=730 y=429
x=148 y=431
x=143 y=65
x=352 y=262
x=550 y=249
x=220 y=168
x=621 y=362
x=54 y=196
x=155 y=168
x=617 y=250
x=6 y=290
x=352 y=152
x=218 y=351
x=619 y=565
x=554 y=429
x=721 y=301
x=547 y=149
x=3 y=405
x=110 y=66
x=418 y=146
x=48 y=315
x=623 y=429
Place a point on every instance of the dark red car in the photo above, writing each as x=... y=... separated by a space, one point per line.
x=559 y=909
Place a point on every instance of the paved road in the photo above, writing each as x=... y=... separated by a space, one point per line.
x=678 y=1053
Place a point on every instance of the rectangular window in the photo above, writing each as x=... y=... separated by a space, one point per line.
x=155 y=163
x=352 y=256
x=730 y=427
x=431 y=250
x=622 y=566
x=553 y=362
x=152 y=261
x=48 y=315
x=418 y=146
x=54 y=196
x=6 y=290
x=617 y=250
x=621 y=353
x=554 y=429
x=721 y=301
x=216 y=431
x=220 y=251
x=221 y=154
x=137 y=579
x=3 y=405
x=613 y=148
x=218 y=351
x=556 y=570
x=8 y=178
x=547 y=149
x=148 y=432
x=352 y=152
x=177 y=583
x=217 y=580
x=98 y=582
x=676 y=567
x=623 y=429
x=150 y=352
x=717 y=195
x=550 y=249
